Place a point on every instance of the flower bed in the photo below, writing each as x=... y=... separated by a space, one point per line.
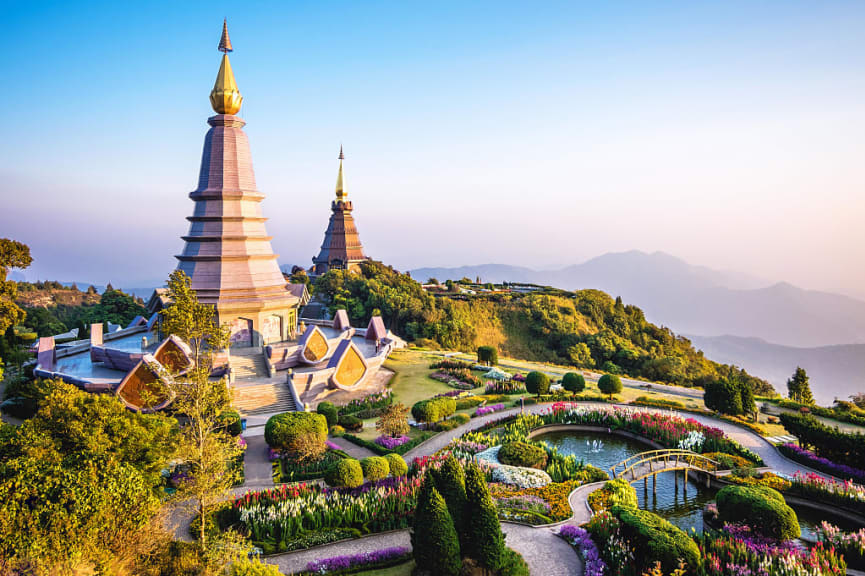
x=767 y=479
x=523 y=508
x=844 y=494
x=586 y=548
x=371 y=402
x=288 y=470
x=484 y=410
x=365 y=560
x=522 y=477
x=555 y=495
x=512 y=386
x=382 y=450
x=808 y=458
x=850 y=544
x=390 y=442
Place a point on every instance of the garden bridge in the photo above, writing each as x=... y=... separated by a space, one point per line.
x=641 y=466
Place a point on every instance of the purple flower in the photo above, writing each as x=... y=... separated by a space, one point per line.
x=346 y=561
x=484 y=410
x=840 y=470
x=389 y=442
x=582 y=541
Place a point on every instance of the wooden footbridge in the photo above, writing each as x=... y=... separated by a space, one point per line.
x=641 y=466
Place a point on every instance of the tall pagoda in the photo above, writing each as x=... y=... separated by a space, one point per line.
x=228 y=255
x=341 y=249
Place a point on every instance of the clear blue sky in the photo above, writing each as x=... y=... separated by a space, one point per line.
x=542 y=134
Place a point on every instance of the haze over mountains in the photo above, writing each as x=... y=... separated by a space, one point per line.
x=766 y=328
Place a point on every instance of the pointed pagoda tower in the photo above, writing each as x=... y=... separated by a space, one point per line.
x=341 y=249
x=228 y=255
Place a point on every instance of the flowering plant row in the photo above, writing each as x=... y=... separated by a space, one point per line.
x=390 y=442
x=850 y=544
x=809 y=458
x=452 y=380
x=376 y=558
x=844 y=494
x=370 y=402
x=586 y=548
x=511 y=386
x=484 y=410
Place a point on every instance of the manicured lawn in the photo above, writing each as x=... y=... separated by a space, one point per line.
x=411 y=382
x=399 y=570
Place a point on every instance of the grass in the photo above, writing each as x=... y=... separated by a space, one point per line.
x=404 y=569
x=411 y=382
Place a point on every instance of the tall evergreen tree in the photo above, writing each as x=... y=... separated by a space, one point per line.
x=487 y=540
x=418 y=534
x=798 y=387
x=435 y=544
x=450 y=482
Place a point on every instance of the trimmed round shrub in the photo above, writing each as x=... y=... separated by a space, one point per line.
x=656 y=539
x=346 y=473
x=523 y=454
x=488 y=355
x=230 y=421
x=610 y=384
x=350 y=422
x=453 y=422
x=396 y=464
x=375 y=468
x=537 y=383
x=434 y=409
x=759 y=507
x=573 y=382
x=468 y=402
x=283 y=431
x=337 y=431
x=329 y=411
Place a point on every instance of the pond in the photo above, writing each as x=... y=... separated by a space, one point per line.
x=682 y=507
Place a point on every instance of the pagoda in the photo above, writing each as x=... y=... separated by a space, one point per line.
x=341 y=249
x=228 y=256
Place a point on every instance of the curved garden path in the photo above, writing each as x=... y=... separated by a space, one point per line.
x=543 y=550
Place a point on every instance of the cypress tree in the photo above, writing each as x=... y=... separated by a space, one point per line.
x=798 y=387
x=450 y=482
x=421 y=521
x=487 y=542
x=435 y=544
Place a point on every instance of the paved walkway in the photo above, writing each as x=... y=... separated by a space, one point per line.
x=291 y=562
x=258 y=471
x=352 y=449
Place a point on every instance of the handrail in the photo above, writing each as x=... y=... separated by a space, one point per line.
x=686 y=458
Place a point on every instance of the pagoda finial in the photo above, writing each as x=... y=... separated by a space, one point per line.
x=340 y=188
x=225 y=96
x=225 y=41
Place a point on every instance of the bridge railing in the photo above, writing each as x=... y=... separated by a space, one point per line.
x=681 y=458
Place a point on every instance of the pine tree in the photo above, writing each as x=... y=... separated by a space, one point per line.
x=450 y=482
x=435 y=544
x=487 y=544
x=798 y=388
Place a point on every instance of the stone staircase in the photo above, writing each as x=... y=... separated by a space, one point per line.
x=264 y=398
x=248 y=364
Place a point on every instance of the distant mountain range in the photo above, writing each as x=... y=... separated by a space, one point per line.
x=695 y=299
x=834 y=371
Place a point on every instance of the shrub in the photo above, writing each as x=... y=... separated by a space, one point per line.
x=296 y=432
x=450 y=481
x=396 y=464
x=513 y=564
x=453 y=422
x=487 y=541
x=616 y=492
x=573 y=382
x=468 y=402
x=350 y=422
x=375 y=468
x=254 y=567
x=488 y=355
x=828 y=442
x=537 y=383
x=610 y=384
x=761 y=508
x=230 y=420
x=345 y=473
x=729 y=396
x=434 y=409
x=656 y=539
x=329 y=411
x=337 y=431
x=523 y=454
x=434 y=539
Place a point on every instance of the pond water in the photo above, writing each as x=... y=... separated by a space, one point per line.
x=682 y=507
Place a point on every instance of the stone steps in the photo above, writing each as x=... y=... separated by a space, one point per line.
x=248 y=365
x=263 y=398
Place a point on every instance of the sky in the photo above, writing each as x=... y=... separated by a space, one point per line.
x=729 y=134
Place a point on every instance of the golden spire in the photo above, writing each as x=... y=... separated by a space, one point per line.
x=225 y=96
x=340 y=189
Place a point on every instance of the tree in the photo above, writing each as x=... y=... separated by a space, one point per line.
x=573 y=382
x=729 y=395
x=12 y=255
x=610 y=384
x=435 y=545
x=394 y=420
x=119 y=308
x=798 y=387
x=487 y=540
x=488 y=355
x=450 y=482
x=203 y=445
x=537 y=383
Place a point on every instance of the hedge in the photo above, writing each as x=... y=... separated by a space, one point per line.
x=396 y=464
x=523 y=454
x=453 y=422
x=853 y=416
x=283 y=429
x=382 y=451
x=375 y=468
x=434 y=409
x=468 y=402
x=350 y=422
x=761 y=508
x=329 y=411
x=345 y=473
x=832 y=443
x=656 y=539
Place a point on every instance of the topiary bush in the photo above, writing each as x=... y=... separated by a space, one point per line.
x=337 y=431
x=523 y=454
x=488 y=355
x=350 y=422
x=345 y=473
x=230 y=420
x=656 y=540
x=434 y=409
x=573 y=382
x=329 y=411
x=396 y=465
x=537 y=383
x=375 y=468
x=759 y=507
x=610 y=384
x=285 y=431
